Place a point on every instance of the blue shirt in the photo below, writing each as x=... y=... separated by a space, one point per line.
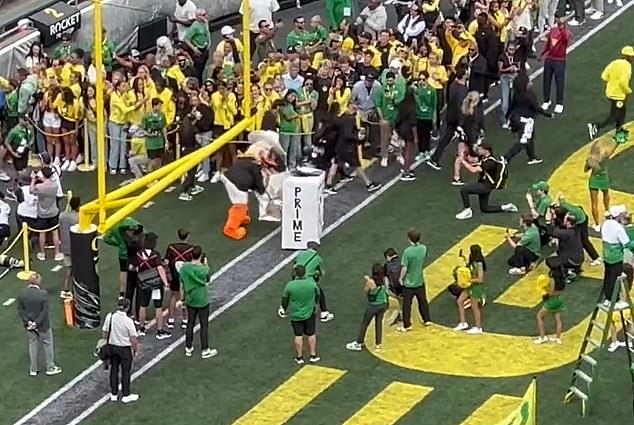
x=293 y=84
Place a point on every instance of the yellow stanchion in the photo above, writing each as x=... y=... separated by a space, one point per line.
x=26 y=273
x=86 y=166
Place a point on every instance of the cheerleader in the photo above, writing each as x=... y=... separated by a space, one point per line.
x=474 y=292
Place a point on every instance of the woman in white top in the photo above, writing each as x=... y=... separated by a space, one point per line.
x=36 y=56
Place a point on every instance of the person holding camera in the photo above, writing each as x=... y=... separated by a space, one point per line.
x=376 y=294
x=300 y=299
x=121 y=346
x=47 y=211
x=17 y=144
x=562 y=227
x=195 y=278
x=526 y=250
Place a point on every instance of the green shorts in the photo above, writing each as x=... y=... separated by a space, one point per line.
x=554 y=305
x=599 y=182
x=476 y=291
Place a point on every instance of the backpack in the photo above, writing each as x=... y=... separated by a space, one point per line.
x=462 y=273
x=393 y=273
x=501 y=175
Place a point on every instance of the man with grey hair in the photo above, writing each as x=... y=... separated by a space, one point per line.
x=615 y=241
x=33 y=311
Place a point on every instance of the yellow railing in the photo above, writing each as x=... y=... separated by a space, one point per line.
x=124 y=200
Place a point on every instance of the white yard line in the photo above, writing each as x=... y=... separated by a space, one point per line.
x=8 y=302
x=56 y=268
x=170 y=348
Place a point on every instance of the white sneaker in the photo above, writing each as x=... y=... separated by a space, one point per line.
x=590 y=10
x=54 y=370
x=326 y=316
x=540 y=340
x=57 y=161
x=130 y=398
x=383 y=162
x=574 y=23
x=619 y=3
x=516 y=271
x=114 y=397
x=79 y=159
x=59 y=256
x=354 y=346
x=33 y=372
x=465 y=214
x=596 y=15
x=597 y=228
x=511 y=208
x=475 y=331
x=209 y=353
x=113 y=172
x=545 y=106
x=461 y=326
x=215 y=178
x=597 y=262
x=41 y=256
x=554 y=339
x=559 y=109
x=621 y=305
x=65 y=165
x=404 y=329
x=196 y=190
x=185 y=197
x=72 y=166
x=202 y=179
x=4 y=177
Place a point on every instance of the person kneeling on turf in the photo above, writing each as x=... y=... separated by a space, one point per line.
x=300 y=297
x=526 y=250
x=376 y=294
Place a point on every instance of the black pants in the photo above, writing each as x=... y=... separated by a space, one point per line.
x=423 y=129
x=202 y=314
x=582 y=228
x=423 y=305
x=616 y=116
x=376 y=313
x=611 y=273
x=579 y=8
x=483 y=190
x=188 y=183
x=557 y=70
x=522 y=257
x=322 y=300
x=200 y=62
x=446 y=138
x=121 y=359
x=131 y=293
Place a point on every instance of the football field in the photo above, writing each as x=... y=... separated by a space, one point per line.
x=431 y=375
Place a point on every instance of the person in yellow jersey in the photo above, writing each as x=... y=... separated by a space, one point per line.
x=617 y=76
x=117 y=121
x=70 y=110
x=167 y=97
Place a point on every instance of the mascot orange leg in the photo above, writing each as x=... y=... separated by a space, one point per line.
x=236 y=218
x=246 y=219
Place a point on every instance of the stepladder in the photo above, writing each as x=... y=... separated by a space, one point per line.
x=607 y=317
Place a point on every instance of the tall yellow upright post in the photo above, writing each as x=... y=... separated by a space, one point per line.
x=246 y=60
x=101 y=130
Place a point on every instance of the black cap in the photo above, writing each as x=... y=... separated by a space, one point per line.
x=291 y=49
x=45 y=157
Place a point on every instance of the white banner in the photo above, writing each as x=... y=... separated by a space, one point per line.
x=302 y=210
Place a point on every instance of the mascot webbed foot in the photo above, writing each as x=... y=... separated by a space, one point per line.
x=237 y=217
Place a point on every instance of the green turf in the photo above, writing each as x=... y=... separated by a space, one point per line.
x=255 y=346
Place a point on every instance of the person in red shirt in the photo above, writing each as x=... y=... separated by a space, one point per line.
x=554 y=56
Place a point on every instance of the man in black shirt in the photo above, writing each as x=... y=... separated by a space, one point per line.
x=305 y=68
x=181 y=251
x=488 y=168
x=189 y=144
x=457 y=92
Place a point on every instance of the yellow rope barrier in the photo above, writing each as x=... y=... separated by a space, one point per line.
x=12 y=244
x=26 y=273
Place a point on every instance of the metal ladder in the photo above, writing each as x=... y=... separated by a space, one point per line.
x=586 y=367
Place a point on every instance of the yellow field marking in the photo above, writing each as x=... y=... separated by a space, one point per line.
x=279 y=406
x=497 y=408
x=390 y=405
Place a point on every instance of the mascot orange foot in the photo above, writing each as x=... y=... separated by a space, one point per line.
x=237 y=218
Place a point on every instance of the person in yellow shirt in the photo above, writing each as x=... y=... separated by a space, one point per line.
x=617 y=77
x=70 y=110
x=437 y=80
x=269 y=94
x=167 y=97
x=75 y=84
x=365 y=45
x=117 y=122
x=339 y=97
x=224 y=105
x=74 y=64
x=140 y=90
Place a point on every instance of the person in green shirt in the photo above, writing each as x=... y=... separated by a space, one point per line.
x=538 y=205
x=109 y=51
x=413 y=280
x=337 y=11
x=18 y=143
x=299 y=38
x=376 y=293
x=426 y=99
x=63 y=51
x=195 y=279
x=126 y=237
x=155 y=128
x=197 y=39
x=388 y=100
x=290 y=130
x=319 y=32
x=526 y=250
x=300 y=298
x=581 y=218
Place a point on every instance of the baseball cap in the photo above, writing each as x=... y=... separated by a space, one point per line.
x=627 y=51
x=541 y=185
x=617 y=210
x=291 y=49
x=226 y=30
x=45 y=157
x=135 y=53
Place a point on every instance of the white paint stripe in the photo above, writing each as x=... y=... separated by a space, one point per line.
x=278 y=267
x=8 y=302
x=56 y=268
